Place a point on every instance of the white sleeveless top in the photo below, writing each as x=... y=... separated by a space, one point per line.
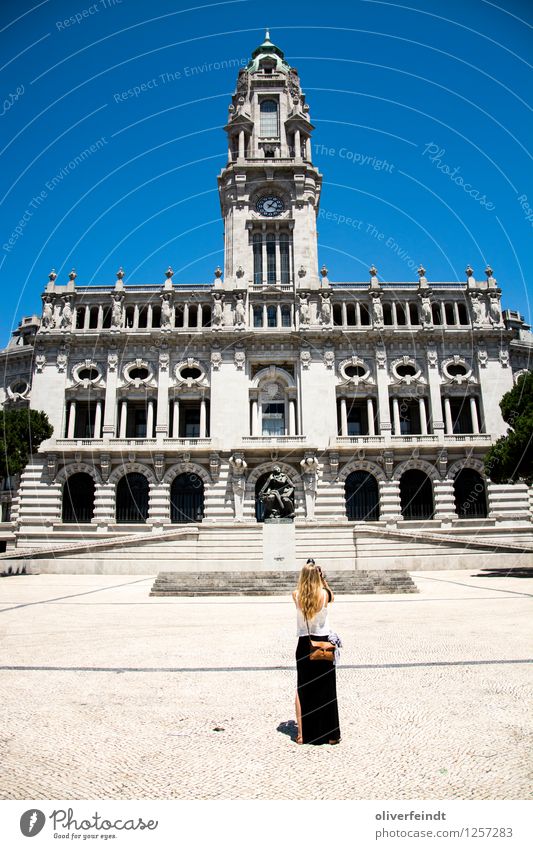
x=318 y=625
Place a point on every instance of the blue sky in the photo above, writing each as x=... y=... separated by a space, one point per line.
x=422 y=115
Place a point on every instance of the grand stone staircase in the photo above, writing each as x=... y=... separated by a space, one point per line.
x=278 y=583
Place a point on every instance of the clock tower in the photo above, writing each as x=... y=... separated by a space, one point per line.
x=269 y=189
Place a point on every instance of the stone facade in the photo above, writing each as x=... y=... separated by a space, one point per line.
x=372 y=397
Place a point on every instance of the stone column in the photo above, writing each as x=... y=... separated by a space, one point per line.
x=255 y=418
x=370 y=416
x=87 y=319
x=474 y=415
x=175 y=419
x=344 y=418
x=98 y=420
x=135 y=316
x=423 y=417
x=383 y=396
x=110 y=405
x=389 y=501
x=297 y=145
x=161 y=427
x=264 y=258
x=448 y=416
x=435 y=400
x=123 y=418
x=358 y=313
x=456 y=311
x=241 y=144
x=150 y=419
x=396 y=416
x=344 y=314
x=203 y=419
x=278 y=261
x=444 y=501
x=71 y=420
x=292 y=417
x=100 y=317
x=186 y=315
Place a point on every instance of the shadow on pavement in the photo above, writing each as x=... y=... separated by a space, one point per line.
x=518 y=572
x=289 y=728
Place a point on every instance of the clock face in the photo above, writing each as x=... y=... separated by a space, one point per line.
x=270 y=205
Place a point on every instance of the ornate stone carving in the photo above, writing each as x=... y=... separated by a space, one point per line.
x=105 y=466
x=217 y=318
x=432 y=358
x=329 y=358
x=504 y=357
x=62 y=359
x=305 y=359
x=240 y=310
x=482 y=357
x=377 y=310
x=239 y=359
x=425 y=310
x=304 y=313
x=166 y=311
x=325 y=309
x=216 y=359
x=309 y=466
x=117 y=316
x=47 y=320
x=381 y=358
x=65 y=322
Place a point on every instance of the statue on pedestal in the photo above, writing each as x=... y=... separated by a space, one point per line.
x=277 y=496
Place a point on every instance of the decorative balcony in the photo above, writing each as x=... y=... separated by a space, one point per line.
x=270 y=441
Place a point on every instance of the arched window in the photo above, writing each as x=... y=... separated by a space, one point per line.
x=271 y=258
x=268 y=125
x=413 y=314
x=272 y=318
x=285 y=315
x=78 y=498
x=258 y=258
x=470 y=494
x=365 y=315
x=435 y=310
x=284 y=257
x=132 y=499
x=450 y=315
x=186 y=499
x=258 y=316
x=350 y=315
x=400 y=315
x=337 y=315
x=387 y=314
x=416 y=495
x=362 y=497
x=463 y=314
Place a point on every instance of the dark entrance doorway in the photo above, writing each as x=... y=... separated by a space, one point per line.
x=470 y=495
x=78 y=498
x=132 y=499
x=416 y=495
x=362 y=497
x=186 y=499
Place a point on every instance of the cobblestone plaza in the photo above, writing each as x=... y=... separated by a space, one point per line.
x=108 y=693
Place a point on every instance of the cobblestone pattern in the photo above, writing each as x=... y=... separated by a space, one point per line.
x=455 y=731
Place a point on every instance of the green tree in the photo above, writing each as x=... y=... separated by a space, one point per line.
x=511 y=458
x=21 y=433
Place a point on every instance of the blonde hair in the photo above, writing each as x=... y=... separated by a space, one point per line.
x=309 y=590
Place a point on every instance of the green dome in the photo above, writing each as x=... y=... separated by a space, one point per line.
x=267 y=48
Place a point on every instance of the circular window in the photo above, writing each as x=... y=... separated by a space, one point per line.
x=406 y=370
x=456 y=369
x=138 y=373
x=89 y=373
x=19 y=387
x=355 y=371
x=191 y=371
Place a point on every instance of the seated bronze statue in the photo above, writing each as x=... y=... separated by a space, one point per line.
x=277 y=496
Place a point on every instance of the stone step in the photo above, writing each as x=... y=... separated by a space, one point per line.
x=277 y=583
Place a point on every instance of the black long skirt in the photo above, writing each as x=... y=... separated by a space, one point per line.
x=317 y=690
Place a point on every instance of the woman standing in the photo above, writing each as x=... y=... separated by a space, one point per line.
x=317 y=713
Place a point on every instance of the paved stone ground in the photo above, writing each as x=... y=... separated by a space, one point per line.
x=124 y=692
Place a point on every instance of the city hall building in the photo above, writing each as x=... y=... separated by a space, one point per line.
x=173 y=403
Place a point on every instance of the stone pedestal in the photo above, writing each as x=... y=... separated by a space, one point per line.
x=279 y=545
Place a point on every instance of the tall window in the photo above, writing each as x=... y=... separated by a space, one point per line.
x=284 y=257
x=268 y=125
x=258 y=258
x=271 y=258
x=273 y=419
